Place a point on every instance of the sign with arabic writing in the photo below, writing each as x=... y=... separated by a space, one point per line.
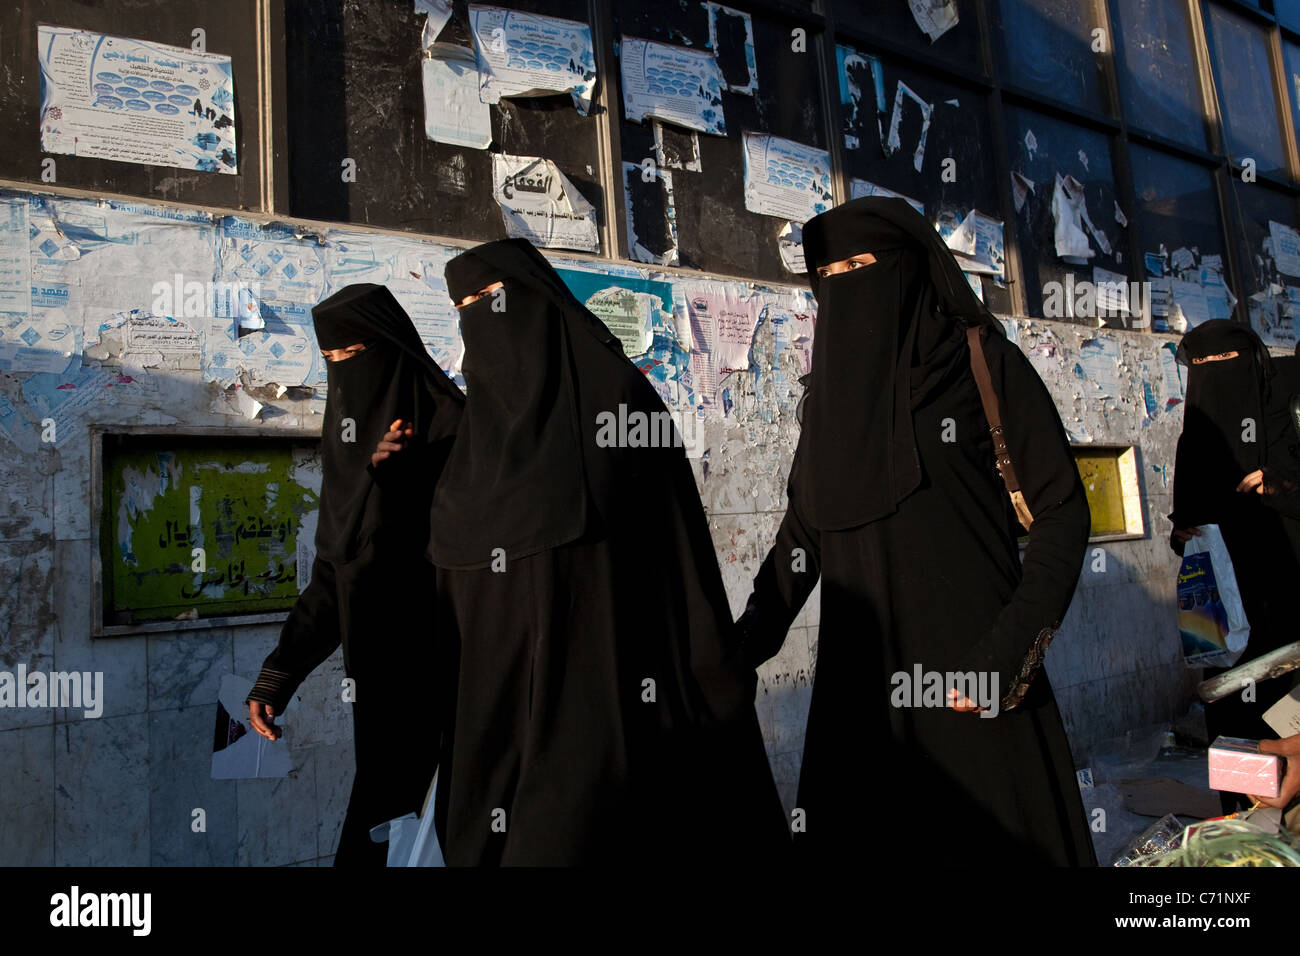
x=200 y=527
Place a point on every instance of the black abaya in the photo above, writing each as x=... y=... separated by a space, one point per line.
x=933 y=581
x=601 y=715
x=370 y=540
x=1261 y=532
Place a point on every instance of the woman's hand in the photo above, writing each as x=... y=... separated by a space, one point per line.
x=394 y=440
x=1253 y=482
x=961 y=703
x=1288 y=747
x=262 y=717
x=1183 y=535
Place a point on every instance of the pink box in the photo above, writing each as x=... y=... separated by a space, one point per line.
x=1237 y=765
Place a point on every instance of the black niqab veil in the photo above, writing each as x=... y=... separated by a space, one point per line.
x=394 y=377
x=1218 y=447
x=516 y=479
x=888 y=336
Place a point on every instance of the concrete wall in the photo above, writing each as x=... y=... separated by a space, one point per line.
x=121 y=789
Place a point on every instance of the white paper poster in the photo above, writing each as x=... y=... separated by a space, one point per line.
x=539 y=204
x=453 y=112
x=523 y=54
x=786 y=179
x=671 y=83
x=135 y=101
x=1286 y=248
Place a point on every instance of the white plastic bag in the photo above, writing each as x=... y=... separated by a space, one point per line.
x=412 y=841
x=1210 y=541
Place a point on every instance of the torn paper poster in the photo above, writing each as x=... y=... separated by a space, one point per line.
x=1173 y=377
x=285 y=353
x=789 y=244
x=1099 y=363
x=1182 y=260
x=1120 y=217
x=632 y=307
x=1067 y=211
x=271 y=259
x=523 y=54
x=135 y=101
x=40 y=339
x=238 y=751
x=723 y=316
x=676 y=148
x=792 y=317
x=1112 y=290
x=731 y=38
x=934 y=17
x=1219 y=300
x=136 y=340
x=1191 y=300
x=976 y=285
x=673 y=84
x=894 y=141
x=1021 y=187
x=453 y=112
x=786 y=179
x=958 y=234
x=1286 y=248
x=69 y=397
x=437 y=13
x=862 y=95
x=860 y=187
x=235 y=400
x=651 y=214
x=1273 y=317
x=977 y=242
x=540 y=204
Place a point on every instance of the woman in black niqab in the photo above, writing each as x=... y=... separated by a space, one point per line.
x=1237 y=422
x=602 y=716
x=370 y=538
x=895 y=501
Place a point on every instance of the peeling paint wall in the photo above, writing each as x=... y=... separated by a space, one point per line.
x=121 y=789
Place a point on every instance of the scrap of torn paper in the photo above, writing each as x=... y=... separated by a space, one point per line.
x=453 y=112
x=238 y=751
x=789 y=244
x=1099 y=363
x=855 y=70
x=1021 y=187
x=731 y=38
x=540 y=204
x=1120 y=217
x=934 y=17
x=437 y=13
x=1173 y=377
x=676 y=148
x=1031 y=143
x=1286 y=248
x=976 y=284
x=1113 y=300
x=632 y=307
x=860 y=187
x=977 y=241
x=902 y=95
x=786 y=179
x=723 y=316
x=135 y=340
x=36 y=332
x=673 y=84
x=651 y=214
x=134 y=101
x=1068 y=212
x=524 y=54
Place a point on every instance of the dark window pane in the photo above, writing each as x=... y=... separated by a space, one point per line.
x=893 y=21
x=1288 y=11
x=1041 y=149
x=1291 y=69
x=1046 y=46
x=1161 y=93
x=958 y=130
x=1268 y=222
x=1243 y=77
x=1181 y=236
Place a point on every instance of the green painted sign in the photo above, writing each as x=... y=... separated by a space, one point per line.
x=201 y=527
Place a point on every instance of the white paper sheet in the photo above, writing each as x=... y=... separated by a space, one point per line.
x=934 y=17
x=538 y=203
x=523 y=54
x=786 y=179
x=135 y=101
x=671 y=83
x=893 y=142
x=453 y=112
